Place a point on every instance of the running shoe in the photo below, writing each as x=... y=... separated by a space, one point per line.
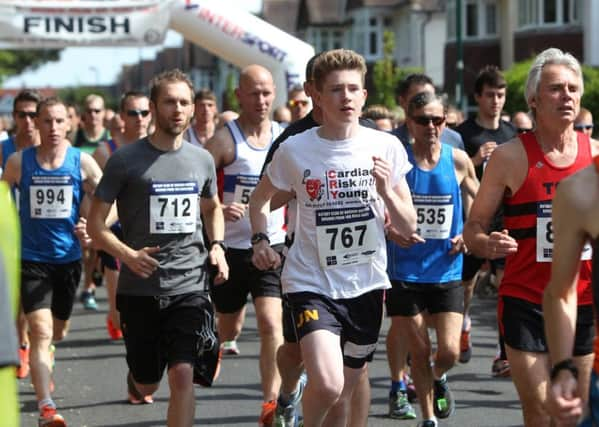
x=230 y=347
x=88 y=299
x=134 y=396
x=411 y=388
x=399 y=406
x=286 y=414
x=465 y=347
x=23 y=368
x=267 y=416
x=500 y=368
x=113 y=332
x=443 y=402
x=427 y=423
x=49 y=418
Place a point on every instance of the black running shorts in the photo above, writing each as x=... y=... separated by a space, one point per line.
x=409 y=299
x=52 y=286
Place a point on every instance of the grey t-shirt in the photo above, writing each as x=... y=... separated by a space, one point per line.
x=158 y=205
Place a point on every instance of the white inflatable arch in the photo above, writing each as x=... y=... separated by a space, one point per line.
x=229 y=33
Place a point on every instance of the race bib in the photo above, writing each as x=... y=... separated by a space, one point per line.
x=51 y=197
x=346 y=236
x=173 y=207
x=434 y=215
x=244 y=186
x=545 y=235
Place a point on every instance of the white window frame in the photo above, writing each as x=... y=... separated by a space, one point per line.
x=481 y=20
x=538 y=20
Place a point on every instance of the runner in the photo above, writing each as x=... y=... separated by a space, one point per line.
x=340 y=179
x=158 y=184
x=537 y=162
x=135 y=115
x=51 y=179
x=426 y=269
x=575 y=213
x=27 y=135
x=240 y=149
x=204 y=122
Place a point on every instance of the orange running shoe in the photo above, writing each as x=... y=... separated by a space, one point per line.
x=23 y=368
x=267 y=416
x=465 y=347
x=114 y=332
x=49 y=418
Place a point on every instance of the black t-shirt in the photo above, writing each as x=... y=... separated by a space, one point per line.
x=475 y=135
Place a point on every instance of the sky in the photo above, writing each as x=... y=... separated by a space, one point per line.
x=101 y=65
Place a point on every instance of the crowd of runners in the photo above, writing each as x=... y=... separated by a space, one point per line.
x=331 y=218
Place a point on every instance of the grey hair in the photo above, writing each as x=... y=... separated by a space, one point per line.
x=549 y=57
x=422 y=99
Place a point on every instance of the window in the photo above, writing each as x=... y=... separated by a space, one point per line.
x=491 y=18
x=471 y=19
x=549 y=11
x=479 y=19
x=534 y=13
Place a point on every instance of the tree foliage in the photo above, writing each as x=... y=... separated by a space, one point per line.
x=14 y=62
x=77 y=95
x=386 y=75
x=516 y=79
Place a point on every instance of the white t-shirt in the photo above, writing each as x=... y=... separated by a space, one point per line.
x=339 y=248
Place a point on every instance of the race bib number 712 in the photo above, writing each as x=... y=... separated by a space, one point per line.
x=173 y=207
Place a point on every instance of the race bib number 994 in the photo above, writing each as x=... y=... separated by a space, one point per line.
x=51 y=197
x=173 y=207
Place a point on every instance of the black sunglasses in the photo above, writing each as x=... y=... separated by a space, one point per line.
x=135 y=113
x=583 y=127
x=522 y=130
x=23 y=114
x=94 y=110
x=426 y=120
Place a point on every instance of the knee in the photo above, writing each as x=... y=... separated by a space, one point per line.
x=40 y=331
x=328 y=390
x=270 y=326
x=180 y=377
x=447 y=357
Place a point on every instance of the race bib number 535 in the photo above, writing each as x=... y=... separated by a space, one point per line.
x=173 y=207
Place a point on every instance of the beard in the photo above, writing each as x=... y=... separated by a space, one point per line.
x=170 y=127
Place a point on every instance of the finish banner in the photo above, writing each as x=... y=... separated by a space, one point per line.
x=55 y=24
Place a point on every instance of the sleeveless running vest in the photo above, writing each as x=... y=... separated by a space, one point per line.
x=111 y=146
x=438 y=203
x=49 y=208
x=239 y=180
x=527 y=216
x=8 y=147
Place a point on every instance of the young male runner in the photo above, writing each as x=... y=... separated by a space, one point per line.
x=52 y=179
x=343 y=176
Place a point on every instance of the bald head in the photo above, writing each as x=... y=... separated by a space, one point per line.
x=256 y=93
x=522 y=121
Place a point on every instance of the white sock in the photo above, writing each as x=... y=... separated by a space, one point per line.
x=46 y=402
x=466 y=323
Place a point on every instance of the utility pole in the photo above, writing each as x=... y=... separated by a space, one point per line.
x=459 y=87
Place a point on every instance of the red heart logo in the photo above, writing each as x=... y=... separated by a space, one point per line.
x=313 y=188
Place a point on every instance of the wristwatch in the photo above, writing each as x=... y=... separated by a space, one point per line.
x=258 y=237
x=219 y=243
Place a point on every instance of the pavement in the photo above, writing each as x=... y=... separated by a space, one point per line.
x=91 y=369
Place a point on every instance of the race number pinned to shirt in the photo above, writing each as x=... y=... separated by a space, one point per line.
x=173 y=207
x=51 y=197
x=244 y=186
x=434 y=215
x=545 y=235
x=346 y=236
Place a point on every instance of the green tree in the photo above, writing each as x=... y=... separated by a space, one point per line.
x=386 y=75
x=77 y=95
x=230 y=101
x=16 y=61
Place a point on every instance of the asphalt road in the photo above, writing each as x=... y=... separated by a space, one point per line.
x=90 y=381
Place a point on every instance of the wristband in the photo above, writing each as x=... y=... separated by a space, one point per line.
x=567 y=364
x=219 y=243
x=258 y=237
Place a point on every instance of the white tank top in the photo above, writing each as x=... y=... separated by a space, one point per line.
x=240 y=179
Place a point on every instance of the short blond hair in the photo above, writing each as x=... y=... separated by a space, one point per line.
x=337 y=60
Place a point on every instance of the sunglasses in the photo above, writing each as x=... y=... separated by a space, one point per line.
x=426 y=120
x=135 y=113
x=583 y=127
x=296 y=102
x=94 y=110
x=522 y=130
x=23 y=114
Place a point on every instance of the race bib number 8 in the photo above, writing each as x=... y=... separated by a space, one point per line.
x=434 y=215
x=51 y=197
x=173 y=207
x=545 y=235
x=346 y=236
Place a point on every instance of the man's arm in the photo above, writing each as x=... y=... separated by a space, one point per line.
x=264 y=257
x=560 y=298
x=101 y=155
x=467 y=179
x=140 y=262
x=12 y=170
x=488 y=199
x=215 y=228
